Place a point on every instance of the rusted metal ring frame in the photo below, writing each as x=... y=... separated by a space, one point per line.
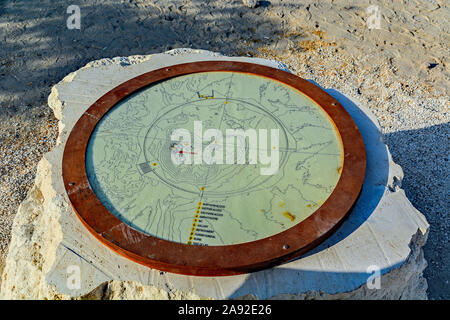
x=212 y=260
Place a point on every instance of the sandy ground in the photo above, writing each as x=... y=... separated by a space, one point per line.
x=399 y=71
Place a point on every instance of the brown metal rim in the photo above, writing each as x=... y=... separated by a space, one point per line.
x=214 y=260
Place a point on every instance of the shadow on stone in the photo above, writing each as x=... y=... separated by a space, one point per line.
x=376 y=177
x=317 y=284
x=38 y=49
x=419 y=153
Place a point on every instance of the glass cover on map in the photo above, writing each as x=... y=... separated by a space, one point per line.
x=214 y=158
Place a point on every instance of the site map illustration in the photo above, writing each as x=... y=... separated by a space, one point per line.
x=164 y=185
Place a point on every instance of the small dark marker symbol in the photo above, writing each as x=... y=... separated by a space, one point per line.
x=145 y=167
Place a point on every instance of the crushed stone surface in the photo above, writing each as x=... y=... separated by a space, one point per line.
x=399 y=71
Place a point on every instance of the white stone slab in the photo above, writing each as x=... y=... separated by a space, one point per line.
x=384 y=229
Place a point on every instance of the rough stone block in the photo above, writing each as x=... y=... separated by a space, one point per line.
x=383 y=229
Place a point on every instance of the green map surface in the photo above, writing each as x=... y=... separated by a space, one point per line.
x=130 y=169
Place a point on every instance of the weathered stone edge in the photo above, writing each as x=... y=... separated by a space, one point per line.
x=408 y=278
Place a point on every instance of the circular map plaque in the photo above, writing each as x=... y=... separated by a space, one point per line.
x=214 y=168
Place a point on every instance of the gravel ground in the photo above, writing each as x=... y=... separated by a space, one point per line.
x=399 y=71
